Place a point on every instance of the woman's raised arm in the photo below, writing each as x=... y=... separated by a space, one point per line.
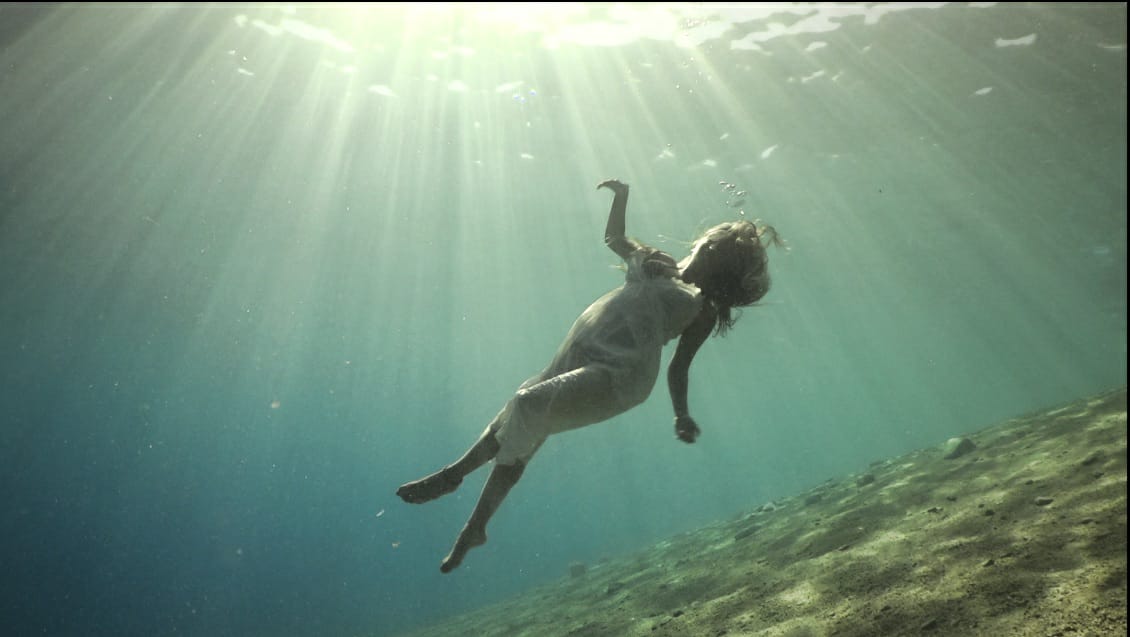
x=614 y=236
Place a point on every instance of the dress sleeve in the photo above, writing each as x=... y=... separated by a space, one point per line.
x=634 y=262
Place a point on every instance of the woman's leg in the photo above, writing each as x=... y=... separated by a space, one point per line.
x=581 y=396
x=474 y=533
x=450 y=477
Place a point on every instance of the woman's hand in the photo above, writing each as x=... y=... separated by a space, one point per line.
x=615 y=185
x=686 y=429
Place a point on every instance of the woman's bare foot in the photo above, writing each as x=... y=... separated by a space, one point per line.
x=469 y=538
x=429 y=488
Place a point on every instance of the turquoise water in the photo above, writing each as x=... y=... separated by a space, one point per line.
x=261 y=265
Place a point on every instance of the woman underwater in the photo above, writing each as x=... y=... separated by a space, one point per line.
x=610 y=359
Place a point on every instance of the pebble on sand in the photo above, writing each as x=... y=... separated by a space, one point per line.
x=957 y=447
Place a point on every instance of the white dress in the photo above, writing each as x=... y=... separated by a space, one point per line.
x=615 y=345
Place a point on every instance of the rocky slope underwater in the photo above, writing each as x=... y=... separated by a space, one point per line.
x=1022 y=533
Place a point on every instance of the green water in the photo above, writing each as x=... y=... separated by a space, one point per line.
x=259 y=265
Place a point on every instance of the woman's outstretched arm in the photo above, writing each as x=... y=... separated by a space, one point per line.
x=678 y=372
x=614 y=236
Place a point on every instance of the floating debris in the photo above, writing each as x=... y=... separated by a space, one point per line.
x=381 y=89
x=1024 y=41
x=508 y=87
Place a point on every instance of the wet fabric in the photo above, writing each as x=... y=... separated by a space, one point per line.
x=610 y=359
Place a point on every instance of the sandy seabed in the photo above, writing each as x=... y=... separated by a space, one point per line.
x=1024 y=535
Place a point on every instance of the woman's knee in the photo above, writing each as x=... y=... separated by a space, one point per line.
x=530 y=402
